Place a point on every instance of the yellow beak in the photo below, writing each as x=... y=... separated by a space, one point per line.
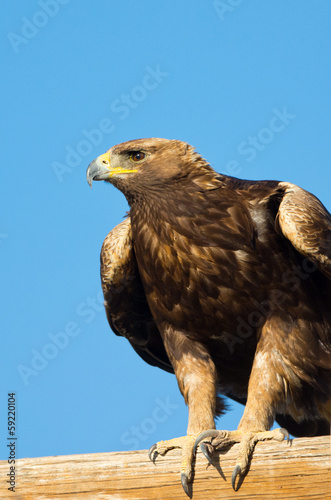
x=100 y=169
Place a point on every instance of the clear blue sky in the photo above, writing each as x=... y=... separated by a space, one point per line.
x=248 y=85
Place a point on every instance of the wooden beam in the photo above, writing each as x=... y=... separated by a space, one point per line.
x=278 y=471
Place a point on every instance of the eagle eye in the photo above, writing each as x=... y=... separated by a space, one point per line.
x=137 y=156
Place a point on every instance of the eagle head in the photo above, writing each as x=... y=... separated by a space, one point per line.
x=143 y=164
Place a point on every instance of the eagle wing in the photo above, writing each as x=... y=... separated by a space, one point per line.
x=304 y=220
x=126 y=305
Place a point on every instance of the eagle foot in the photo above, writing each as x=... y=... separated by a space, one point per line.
x=215 y=440
x=186 y=443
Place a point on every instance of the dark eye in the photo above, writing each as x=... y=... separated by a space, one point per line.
x=137 y=155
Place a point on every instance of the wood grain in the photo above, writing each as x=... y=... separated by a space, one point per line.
x=278 y=471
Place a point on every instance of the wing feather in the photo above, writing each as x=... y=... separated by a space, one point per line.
x=126 y=305
x=304 y=220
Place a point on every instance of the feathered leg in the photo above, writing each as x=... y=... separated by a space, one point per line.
x=196 y=377
x=265 y=390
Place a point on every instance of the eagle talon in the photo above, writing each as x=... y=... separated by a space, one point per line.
x=286 y=435
x=204 y=435
x=236 y=472
x=152 y=453
x=186 y=485
x=205 y=451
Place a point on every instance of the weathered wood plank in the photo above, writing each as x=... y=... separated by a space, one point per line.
x=278 y=471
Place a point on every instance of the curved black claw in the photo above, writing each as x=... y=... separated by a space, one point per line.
x=152 y=453
x=205 y=451
x=286 y=435
x=204 y=435
x=236 y=472
x=187 y=487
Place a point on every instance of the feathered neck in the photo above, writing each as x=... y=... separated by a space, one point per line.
x=197 y=177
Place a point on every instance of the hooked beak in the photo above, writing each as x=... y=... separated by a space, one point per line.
x=99 y=169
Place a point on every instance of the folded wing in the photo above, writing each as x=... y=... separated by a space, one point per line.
x=304 y=220
x=126 y=306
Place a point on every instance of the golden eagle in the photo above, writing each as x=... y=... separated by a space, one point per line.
x=226 y=283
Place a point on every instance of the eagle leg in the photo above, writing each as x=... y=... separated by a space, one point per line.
x=197 y=381
x=247 y=440
x=262 y=397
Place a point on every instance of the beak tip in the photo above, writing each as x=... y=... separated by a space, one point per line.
x=90 y=173
x=97 y=171
x=89 y=180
